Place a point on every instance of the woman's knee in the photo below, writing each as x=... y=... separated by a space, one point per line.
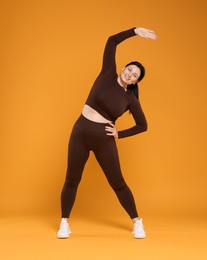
x=118 y=185
x=72 y=182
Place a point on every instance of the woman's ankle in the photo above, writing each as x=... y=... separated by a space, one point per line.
x=136 y=219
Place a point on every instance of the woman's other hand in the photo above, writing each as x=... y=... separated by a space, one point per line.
x=111 y=130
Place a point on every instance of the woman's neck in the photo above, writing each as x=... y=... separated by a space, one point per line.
x=121 y=83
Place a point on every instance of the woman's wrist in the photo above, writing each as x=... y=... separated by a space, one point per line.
x=136 y=31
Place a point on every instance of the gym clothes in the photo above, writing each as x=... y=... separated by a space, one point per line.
x=110 y=99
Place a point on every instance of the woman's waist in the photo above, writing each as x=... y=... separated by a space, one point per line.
x=93 y=115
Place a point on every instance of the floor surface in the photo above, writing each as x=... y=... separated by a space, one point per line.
x=34 y=237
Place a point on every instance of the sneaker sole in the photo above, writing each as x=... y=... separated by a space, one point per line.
x=143 y=236
x=62 y=237
x=140 y=237
x=66 y=236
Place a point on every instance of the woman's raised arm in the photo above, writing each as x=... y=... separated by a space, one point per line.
x=109 y=61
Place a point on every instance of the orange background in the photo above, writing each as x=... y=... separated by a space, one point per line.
x=51 y=54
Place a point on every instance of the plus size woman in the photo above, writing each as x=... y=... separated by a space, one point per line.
x=111 y=96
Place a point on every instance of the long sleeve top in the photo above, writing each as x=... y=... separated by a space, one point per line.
x=110 y=99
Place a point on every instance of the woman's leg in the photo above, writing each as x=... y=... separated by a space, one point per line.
x=107 y=155
x=77 y=157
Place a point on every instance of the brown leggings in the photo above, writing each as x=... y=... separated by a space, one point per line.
x=89 y=136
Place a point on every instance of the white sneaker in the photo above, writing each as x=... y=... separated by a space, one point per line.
x=138 y=231
x=64 y=230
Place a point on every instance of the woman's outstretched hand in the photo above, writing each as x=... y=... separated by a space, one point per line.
x=145 y=33
x=111 y=130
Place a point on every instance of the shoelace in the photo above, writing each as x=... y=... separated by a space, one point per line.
x=63 y=226
x=138 y=225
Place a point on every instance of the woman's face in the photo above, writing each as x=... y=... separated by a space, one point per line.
x=130 y=74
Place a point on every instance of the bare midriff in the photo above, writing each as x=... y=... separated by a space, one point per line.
x=93 y=115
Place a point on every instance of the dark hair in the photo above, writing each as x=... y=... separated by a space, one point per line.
x=134 y=87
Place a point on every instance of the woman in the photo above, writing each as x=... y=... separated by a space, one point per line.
x=110 y=96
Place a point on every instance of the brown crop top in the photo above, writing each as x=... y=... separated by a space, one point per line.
x=108 y=98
